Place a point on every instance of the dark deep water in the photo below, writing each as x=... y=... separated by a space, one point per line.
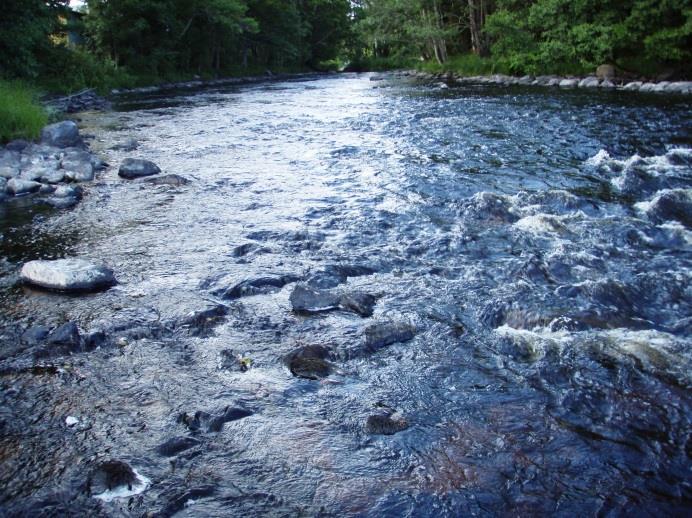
x=527 y=234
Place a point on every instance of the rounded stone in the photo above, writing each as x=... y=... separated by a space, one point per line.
x=137 y=168
x=73 y=275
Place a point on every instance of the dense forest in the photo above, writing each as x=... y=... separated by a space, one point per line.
x=536 y=36
x=137 y=41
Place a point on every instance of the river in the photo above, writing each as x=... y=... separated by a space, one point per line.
x=536 y=241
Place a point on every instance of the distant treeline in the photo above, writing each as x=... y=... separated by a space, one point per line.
x=121 y=42
x=535 y=36
x=43 y=39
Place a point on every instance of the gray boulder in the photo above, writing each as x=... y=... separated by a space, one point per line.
x=78 y=167
x=634 y=85
x=85 y=175
x=305 y=299
x=136 y=168
x=68 y=275
x=53 y=176
x=61 y=134
x=647 y=87
x=8 y=171
x=682 y=87
x=569 y=83
x=68 y=191
x=62 y=203
x=607 y=84
x=589 y=82
x=18 y=187
x=17 y=145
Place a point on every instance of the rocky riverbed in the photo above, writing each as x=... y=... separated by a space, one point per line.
x=341 y=297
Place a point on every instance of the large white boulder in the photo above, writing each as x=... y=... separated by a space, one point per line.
x=68 y=275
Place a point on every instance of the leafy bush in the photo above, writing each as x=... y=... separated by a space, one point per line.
x=68 y=70
x=20 y=114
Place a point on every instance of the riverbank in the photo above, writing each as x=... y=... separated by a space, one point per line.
x=446 y=79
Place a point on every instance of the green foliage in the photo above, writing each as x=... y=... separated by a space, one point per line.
x=464 y=65
x=70 y=70
x=126 y=42
x=20 y=114
x=575 y=36
x=377 y=63
x=24 y=29
x=535 y=36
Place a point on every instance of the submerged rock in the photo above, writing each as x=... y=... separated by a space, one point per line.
x=35 y=335
x=674 y=204
x=203 y=320
x=213 y=422
x=309 y=300
x=257 y=286
x=61 y=134
x=381 y=334
x=67 y=275
x=305 y=299
x=385 y=424
x=137 y=168
x=65 y=335
x=360 y=303
x=127 y=145
x=175 y=445
x=173 y=180
x=310 y=362
x=231 y=361
x=334 y=275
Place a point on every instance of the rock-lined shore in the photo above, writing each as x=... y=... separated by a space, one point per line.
x=51 y=168
x=601 y=81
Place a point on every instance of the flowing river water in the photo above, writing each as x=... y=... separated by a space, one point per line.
x=538 y=241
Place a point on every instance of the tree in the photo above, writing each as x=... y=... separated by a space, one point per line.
x=25 y=29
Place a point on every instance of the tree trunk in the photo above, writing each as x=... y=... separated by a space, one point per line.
x=477 y=14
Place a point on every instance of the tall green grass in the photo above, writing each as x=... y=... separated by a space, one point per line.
x=21 y=115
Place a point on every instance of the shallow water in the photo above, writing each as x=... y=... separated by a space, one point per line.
x=520 y=230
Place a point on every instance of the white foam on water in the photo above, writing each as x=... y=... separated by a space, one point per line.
x=599 y=158
x=140 y=486
x=542 y=224
x=677 y=228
